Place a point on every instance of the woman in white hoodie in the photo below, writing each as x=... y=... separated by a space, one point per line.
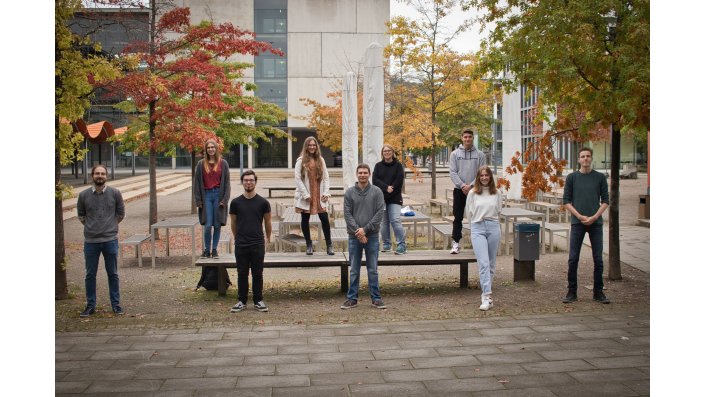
x=312 y=192
x=483 y=206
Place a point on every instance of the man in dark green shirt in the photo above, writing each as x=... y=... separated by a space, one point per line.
x=585 y=196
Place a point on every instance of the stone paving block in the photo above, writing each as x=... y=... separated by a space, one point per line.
x=273 y=381
x=210 y=361
x=646 y=370
x=252 y=335
x=170 y=373
x=58 y=375
x=461 y=333
x=369 y=330
x=466 y=350
x=537 y=380
x=347 y=378
x=389 y=389
x=123 y=355
x=118 y=386
x=309 y=368
x=488 y=340
x=341 y=357
x=604 y=333
x=308 y=333
x=404 y=353
x=527 y=346
x=327 y=340
x=217 y=344
x=229 y=329
x=619 y=362
x=394 y=338
x=635 y=350
x=187 y=353
x=506 y=331
x=160 y=346
x=527 y=322
x=303 y=349
x=100 y=347
x=494 y=370
x=284 y=341
x=63 y=348
x=137 y=364
x=68 y=356
x=609 y=375
x=547 y=337
x=366 y=346
x=78 y=375
x=621 y=324
x=240 y=370
x=509 y=358
x=528 y=392
x=77 y=364
x=239 y=392
x=441 y=362
x=561 y=328
x=597 y=389
x=175 y=331
x=70 y=387
x=199 y=383
x=556 y=354
x=312 y=391
x=590 y=344
x=557 y=366
x=414 y=328
x=411 y=375
x=246 y=351
x=429 y=343
x=377 y=365
x=637 y=331
x=438 y=387
x=634 y=340
x=194 y=337
x=641 y=387
x=81 y=340
x=469 y=325
x=130 y=339
x=279 y=359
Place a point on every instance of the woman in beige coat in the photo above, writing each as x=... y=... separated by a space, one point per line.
x=312 y=192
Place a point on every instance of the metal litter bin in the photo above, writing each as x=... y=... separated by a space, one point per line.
x=526 y=241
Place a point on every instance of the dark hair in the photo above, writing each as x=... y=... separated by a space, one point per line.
x=363 y=165
x=467 y=130
x=248 y=172
x=98 y=166
x=477 y=188
x=585 y=149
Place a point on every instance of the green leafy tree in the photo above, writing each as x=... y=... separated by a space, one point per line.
x=78 y=71
x=590 y=58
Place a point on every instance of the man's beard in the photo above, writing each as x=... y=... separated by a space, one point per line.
x=99 y=182
x=249 y=189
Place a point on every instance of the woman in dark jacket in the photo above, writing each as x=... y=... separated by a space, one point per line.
x=211 y=188
x=388 y=175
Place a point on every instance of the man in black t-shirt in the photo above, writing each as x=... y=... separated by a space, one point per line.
x=247 y=212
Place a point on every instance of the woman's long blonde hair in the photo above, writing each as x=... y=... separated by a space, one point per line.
x=306 y=158
x=478 y=186
x=207 y=158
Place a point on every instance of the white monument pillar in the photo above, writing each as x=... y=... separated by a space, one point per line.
x=350 y=154
x=373 y=106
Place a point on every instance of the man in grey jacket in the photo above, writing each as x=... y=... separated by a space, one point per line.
x=363 y=209
x=464 y=163
x=100 y=209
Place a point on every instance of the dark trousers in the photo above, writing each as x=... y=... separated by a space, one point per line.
x=459 y=199
x=250 y=258
x=325 y=224
x=577 y=234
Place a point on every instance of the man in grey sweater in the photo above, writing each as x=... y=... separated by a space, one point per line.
x=464 y=163
x=363 y=209
x=100 y=209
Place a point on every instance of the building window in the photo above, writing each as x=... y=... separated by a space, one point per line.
x=529 y=129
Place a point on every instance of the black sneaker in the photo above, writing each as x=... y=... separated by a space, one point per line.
x=570 y=297
x=261 y=307
x=348 y=304
x=88 y=311
x=118 y=310
x=214 y=254
x=379 y=304
x=205 y=254
x=239 y=306
x=599 y=296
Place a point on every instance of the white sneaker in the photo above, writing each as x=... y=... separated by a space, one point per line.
x=455 y=249
x=486 y=302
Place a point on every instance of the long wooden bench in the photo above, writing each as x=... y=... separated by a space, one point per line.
x=320 y=259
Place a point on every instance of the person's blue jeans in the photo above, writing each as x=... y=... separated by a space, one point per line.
x=91 y=252
x=577 y=234
x=392 y=216
x=355 y=248
x=485 y=237
x=211 y=230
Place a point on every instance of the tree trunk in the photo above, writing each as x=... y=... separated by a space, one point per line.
x=60 y=284
x=193 y=175
x=433 y=154
x=615 y=268
x=152 y=171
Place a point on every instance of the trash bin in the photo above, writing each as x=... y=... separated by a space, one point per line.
x=644 y=210
x=526 y=241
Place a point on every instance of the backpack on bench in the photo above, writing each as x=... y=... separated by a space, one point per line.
x=209 y=278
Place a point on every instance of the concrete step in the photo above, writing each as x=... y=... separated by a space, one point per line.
x=125 y=185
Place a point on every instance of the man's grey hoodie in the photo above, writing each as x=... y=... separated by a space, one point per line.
x=364 y=208
x=464 y=165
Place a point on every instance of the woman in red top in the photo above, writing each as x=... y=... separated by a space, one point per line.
x=211 y=189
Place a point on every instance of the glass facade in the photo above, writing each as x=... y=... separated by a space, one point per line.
x=529 y=129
